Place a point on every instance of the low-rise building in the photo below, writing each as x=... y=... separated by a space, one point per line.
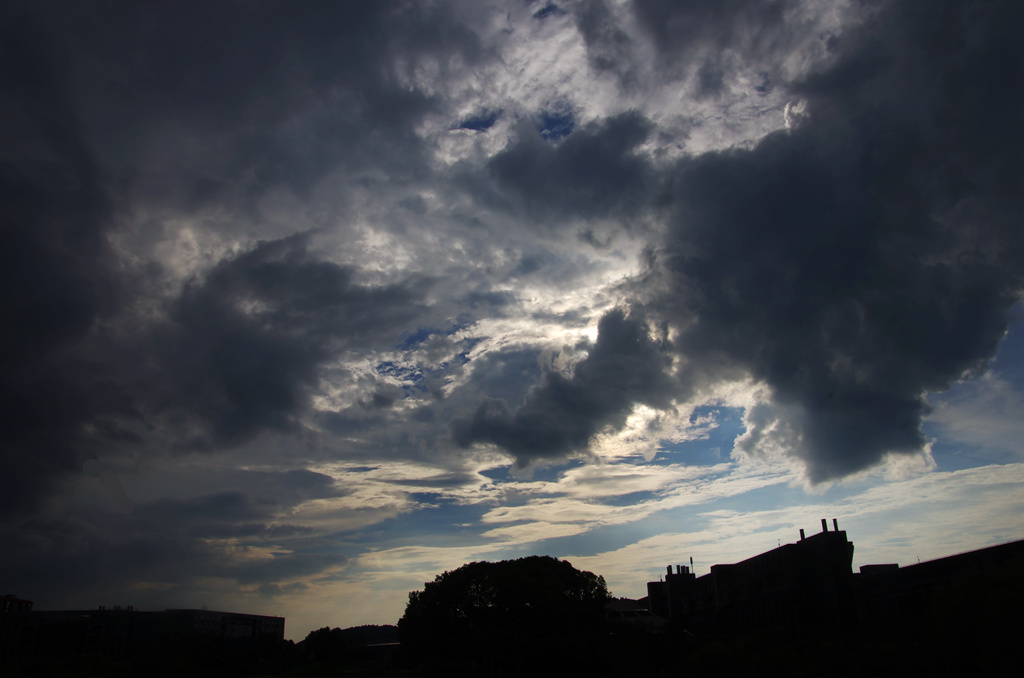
x=117 y=630
x=809 y=587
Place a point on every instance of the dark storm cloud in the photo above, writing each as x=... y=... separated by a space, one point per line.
x=507 y=374
x=593 y=173
x=202 y=102
x=55 y=281
x=68 y=559
x=250 y=509
x=873 y=253
x=245 y=344
x=561 y=415
x=241 y=353
x=678 y=26
x=174 y=541
x=853 y=264
x=123 y=109
x=222 y=506
x=690 y=34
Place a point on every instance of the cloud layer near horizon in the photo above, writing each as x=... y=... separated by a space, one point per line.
x=273 y=276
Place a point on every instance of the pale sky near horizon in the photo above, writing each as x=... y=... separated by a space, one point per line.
x=304 y=304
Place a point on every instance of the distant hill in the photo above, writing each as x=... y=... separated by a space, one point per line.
x=369 y=634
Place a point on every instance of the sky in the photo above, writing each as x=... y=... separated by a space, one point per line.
x=302 y=304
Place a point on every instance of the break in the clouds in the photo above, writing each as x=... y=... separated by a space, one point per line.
x=282 y=287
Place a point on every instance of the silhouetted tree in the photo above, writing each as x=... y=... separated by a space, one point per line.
x=502 y=618
x=326 y=645
x=371 y=633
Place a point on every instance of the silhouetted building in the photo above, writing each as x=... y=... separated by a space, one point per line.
x=893 y=596
x=809 y=587
x=114 y=631
x=232 y=625
x=793 y=589
x=632 y=612
x=10 y=603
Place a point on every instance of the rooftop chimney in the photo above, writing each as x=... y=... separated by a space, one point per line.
x=669 y=569
x=824 y=525
x=801 y=534
x=835 y=524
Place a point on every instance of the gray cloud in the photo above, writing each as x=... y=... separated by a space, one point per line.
x=245 y=343
x=55 y=265
x=609 y=47
x=870 y=255
x=703 y=38
x=122 y=123
x=700 y=45
x=240 y=354
x=854 y=263
x=250 y=509
x=594 y=173
x=202 y=105
x=80 y=563
x=562 y=414
x=174 y=542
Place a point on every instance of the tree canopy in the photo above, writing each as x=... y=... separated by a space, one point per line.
x=487 y=612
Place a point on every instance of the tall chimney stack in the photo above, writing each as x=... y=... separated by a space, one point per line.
x=669 y=569
x=835 y=524
x=801 y=534
x=824 y=524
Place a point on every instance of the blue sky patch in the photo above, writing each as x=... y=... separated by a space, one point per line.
x=481 y=122
x=548 y=10
x=418 y=337
x=555 y=125
x=713 y=449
